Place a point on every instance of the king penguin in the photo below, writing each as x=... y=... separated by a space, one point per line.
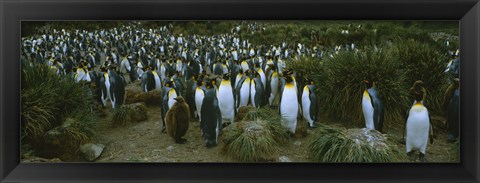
x=211 y=116
x=226 y=100
x=168 y=99
x=242 y=91
x=451 y=107
x=372 y=107
x=309 y=103
x=288 y=105
x=199 y=95
x=273 y=84
x=417 y=129
x=257 y=92
x=117 y=88
x=178 y=119
x=148 y=80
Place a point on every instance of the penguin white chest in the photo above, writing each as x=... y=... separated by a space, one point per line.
x=237 y=79
x=199 y=95
x=171 y=98
x=245 y=92
x=263 y=78
x=274 y=87
x=226 y=101
x=252 y=92
x=418 y=125
x=306 y=104
x=162 y=71
x=158 y=83
x=367 y=108
x=289 y=107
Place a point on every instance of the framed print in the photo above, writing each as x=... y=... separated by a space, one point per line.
x=239 y=91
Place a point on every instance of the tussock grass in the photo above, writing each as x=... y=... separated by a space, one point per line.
x=421 y=61
x=122 y=116
x=341 y=84
x=250 y=141
x=257 y=137
x=331 y=145
x=50 y=102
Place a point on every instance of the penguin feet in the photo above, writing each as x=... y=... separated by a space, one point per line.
x=410 y=157
x=180 y=141
x=163 y=129
x=312 y=126
x=422 y=158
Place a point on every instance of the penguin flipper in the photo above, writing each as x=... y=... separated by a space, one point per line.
x=405 y=126
x=431 y=130
x=313 y=103
x=280 y=93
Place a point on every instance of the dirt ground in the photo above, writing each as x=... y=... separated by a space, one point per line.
x=143 y=142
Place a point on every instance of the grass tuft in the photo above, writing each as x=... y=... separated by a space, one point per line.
x=331 y=145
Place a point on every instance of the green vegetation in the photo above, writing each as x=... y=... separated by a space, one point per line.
x=331 y=145
x=53 y=104
x=122 y=116
x=256 y=138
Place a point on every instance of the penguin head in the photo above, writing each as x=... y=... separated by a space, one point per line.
x=288 y=79
x=418 y=84
x=169 y=84
x=256 y=75
x=310 y=82
x=226 y=76
x=456 y=81
x=368 y=84
x=179 y=99
x=418 y=96
x=199 y=82
x=209 y=84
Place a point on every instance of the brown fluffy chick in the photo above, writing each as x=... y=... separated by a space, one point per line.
x=178 y=119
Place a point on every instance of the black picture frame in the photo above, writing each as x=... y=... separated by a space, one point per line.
x=467 y=12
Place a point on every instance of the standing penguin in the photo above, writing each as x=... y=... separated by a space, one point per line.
x=199 y=95
x=178 y=118
x=309 y=103
x=273 y=83
x=451 y=108
x=262 y=75
x=288 y=105
x=168 y=99
x=242 y=91
x=257 y=92
x=211 y=116
x=105 y=86
x=148 y=80
x=117 y=88
x=372 y=107
x=225 y=99
x=417 y=129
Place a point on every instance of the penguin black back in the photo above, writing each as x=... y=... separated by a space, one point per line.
x=211 y=116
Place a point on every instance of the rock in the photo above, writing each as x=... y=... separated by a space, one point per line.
x=369 y=137
x=297 y=143
x=92 y=151
x=170 y=148
x=284 y=159
x=41 y=160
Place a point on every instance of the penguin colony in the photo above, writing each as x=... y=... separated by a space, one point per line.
x=210 y=78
